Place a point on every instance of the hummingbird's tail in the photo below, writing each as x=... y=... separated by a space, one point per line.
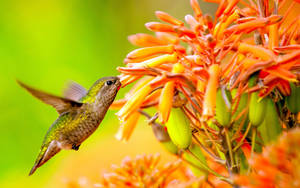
x=46 y=153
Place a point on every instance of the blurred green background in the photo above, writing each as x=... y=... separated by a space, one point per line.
x=48 y=42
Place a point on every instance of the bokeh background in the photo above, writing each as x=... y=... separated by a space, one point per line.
x=46 y=43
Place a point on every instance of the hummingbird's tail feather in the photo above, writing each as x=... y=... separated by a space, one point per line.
x=46 y=153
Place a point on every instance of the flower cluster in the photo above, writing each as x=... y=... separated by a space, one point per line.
x=143 y=171
x=215 y=81
x=198 y=58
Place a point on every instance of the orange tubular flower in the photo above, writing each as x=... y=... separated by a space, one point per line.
x=166 y=98
x=145 y=40
x=257 y=51
x=209 y=102
x=156 y=26
x=149 y=51
x=230 y=6
x=196 y=8
x=134 y=103
x=127 y=127
x=167 y=18
x=219 y=29
x=273 y=33
x=154 y=62
x=165 y=102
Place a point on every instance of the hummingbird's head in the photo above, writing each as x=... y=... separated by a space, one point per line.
x=105 y=90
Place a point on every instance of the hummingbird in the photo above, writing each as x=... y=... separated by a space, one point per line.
x=80 y=114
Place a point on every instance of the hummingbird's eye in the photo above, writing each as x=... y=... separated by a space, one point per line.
x=109 y=82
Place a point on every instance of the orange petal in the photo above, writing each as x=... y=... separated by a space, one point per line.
x=166 y=97
x=141 y=83
x=170 y=39
x=247 y=26
x=221 y=8
x=257 y=51
x=155 y=62
x=245 y=19
x=134 y=102
x=209 y=102
x=195 y=6
x=223 y=25
x=230 y=6
x=282 y=73
x=145 y=40
x=127 y=61
x=254 y=24
x=182 y=31
x=159 y=27
x=127 y=127
x=152 y=98
x=289 y=57
x=287 y=48
x=136 y=71
x=201 y=86
x=273 y=36
x=117 y=104
x=167 y=18
x=201 y=72
x=149 y=51
x=128 y=79
x=165 y=102
x=248 y=62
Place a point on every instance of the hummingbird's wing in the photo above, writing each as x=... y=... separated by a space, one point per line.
x=74 y=91
x=59 y=103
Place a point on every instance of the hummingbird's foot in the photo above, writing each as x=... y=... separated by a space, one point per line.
x=75 y=147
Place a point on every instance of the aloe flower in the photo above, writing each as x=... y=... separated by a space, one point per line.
x=224 y=74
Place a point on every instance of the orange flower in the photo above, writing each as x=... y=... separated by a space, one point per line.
x=166 y=98
x=209 y=102
x=144 y=171
x=127 y=127
x=135 y=101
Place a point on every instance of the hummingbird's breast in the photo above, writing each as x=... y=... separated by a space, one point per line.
x=84 y=123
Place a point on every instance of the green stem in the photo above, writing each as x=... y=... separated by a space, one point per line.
x=209 y=136
x=217 y=159
x=229 y=147
x=204 y=166
x=253 y=140
x=254 y=130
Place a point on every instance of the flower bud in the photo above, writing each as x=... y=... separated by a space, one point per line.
x=178 y=127
x=223 y=107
